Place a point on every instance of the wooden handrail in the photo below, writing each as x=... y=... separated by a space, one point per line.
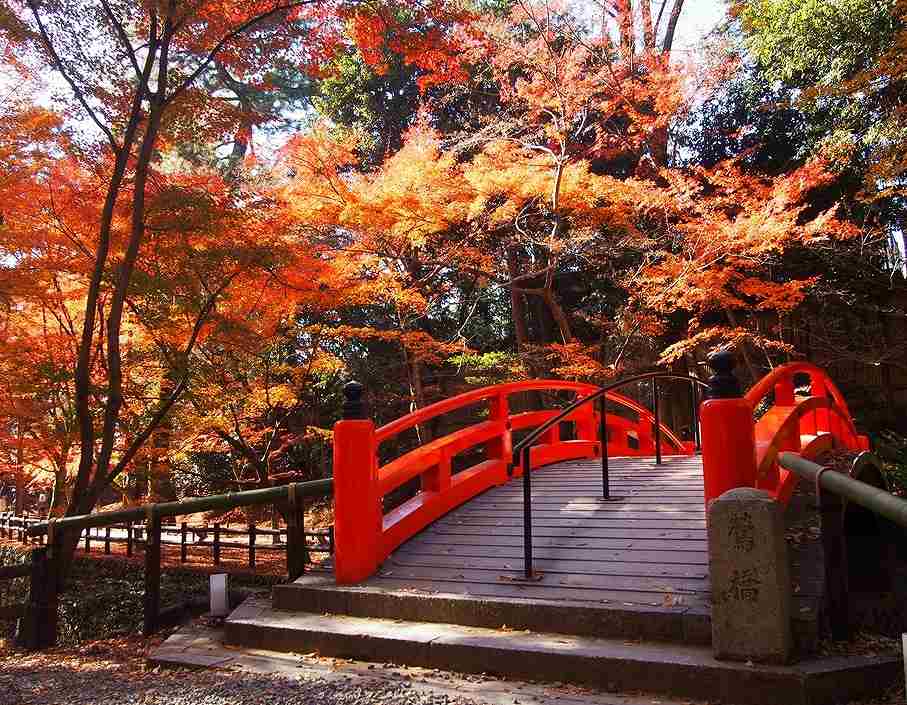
x=805 y=425
x=766 y=385
x=607 y=392
x=445 y=406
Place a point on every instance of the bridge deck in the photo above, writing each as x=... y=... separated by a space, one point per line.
x=647 y=547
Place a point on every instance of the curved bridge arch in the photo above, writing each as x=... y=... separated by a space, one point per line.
x=441 y=491
x=801 y=410
x=804 y=423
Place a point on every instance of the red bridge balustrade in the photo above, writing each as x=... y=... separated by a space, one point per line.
x=365 y=536
x=796 y=408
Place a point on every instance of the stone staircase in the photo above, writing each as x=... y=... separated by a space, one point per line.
x=623 y=636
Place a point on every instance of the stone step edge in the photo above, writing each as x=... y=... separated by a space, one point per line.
x=318 y=594
x=608 y=664
x=198 y=647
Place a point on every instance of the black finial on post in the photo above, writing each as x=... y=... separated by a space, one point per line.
x=353 y=403
x=723 y=384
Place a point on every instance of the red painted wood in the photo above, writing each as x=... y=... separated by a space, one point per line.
x=360 y=485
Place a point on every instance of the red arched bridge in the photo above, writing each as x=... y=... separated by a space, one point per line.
x=616 y=485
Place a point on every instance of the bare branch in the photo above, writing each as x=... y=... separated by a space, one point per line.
x=127 y=45
x=61 y=67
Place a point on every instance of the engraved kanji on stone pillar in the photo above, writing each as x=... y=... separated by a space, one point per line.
x=751 y=587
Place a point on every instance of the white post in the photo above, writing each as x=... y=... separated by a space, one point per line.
x=220 y=599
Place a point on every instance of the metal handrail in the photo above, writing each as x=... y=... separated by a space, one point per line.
x=525 y=445
x=876 y=500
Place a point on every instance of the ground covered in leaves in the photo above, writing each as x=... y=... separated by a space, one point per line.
x=114 y=673
x=105 y=597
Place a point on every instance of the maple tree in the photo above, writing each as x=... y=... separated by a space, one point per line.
x=569 y=174
x=790 y=102
x=509 y=185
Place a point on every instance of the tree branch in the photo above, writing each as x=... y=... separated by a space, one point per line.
x=174 y=396
x=80 y=96
x=127 y=45
x=226 y=39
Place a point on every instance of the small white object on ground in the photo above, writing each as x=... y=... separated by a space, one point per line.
x=220 y=600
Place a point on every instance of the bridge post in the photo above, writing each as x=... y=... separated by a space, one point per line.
x=728 y=431
x=501 y=447
x=357 y=510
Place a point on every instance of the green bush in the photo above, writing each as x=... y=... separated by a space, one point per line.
x=891 y=448
x=12 y=592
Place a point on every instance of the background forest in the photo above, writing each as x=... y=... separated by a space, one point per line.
x=214 y=214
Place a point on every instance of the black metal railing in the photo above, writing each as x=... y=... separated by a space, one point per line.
x=524 y=446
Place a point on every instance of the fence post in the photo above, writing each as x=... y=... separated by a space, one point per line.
x=152 y=571
x=252 y=545
x=728 y=432
x=107 y=540
x=357 y=504
x=215 y=545
x=129 y=539
x=183 y=550
x=297 y=551
x=87 y=539
x=38 y=628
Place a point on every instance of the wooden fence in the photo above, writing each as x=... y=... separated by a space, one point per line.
x=214 y=536
x=38 y=627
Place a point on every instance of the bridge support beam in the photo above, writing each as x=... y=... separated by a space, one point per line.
x=728 y=432
x=357 y=510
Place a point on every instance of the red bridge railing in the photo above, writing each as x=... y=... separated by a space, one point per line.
x=365 y=535
x=797 y=409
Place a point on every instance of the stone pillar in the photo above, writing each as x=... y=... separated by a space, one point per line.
x=751 y=587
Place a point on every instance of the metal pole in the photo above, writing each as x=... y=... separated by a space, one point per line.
x=527 y=515
x=657 y=421
x=606 y=488
x=694 y=390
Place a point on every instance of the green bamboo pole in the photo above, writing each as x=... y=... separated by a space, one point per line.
x=220 y=502
x=872 y=498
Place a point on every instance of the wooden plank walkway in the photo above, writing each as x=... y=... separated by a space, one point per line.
x=646 y=547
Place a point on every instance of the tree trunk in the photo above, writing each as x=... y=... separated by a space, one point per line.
x=673 y=18
x=558 y=314
x=58 y=496
x=648 y=33
x=159 y=470
x=517 y=303
x=20 y=470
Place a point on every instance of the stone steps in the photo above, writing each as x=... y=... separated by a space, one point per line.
x=318 y=593
x=613 y=618
x=679 y=670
